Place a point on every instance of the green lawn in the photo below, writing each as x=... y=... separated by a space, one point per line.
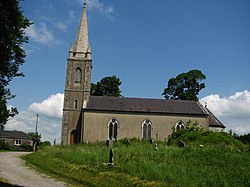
x=138 y=164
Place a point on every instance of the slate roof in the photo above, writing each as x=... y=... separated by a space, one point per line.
x=160 y=106
x=14 y=134
x=213 y=120
x=123 y=104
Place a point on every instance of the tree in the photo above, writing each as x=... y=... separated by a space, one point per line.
x=108 y=86
x=185 y=86
x=12 y=37
x=35 y=136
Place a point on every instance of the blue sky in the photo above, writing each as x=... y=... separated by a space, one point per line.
x=144 y=43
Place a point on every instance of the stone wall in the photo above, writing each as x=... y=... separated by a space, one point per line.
x=130 y=125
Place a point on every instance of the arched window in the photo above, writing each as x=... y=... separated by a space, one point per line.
x=78 y=75
x=75 y=104
x=179 y=125
x=113 y=129
x=146 y=129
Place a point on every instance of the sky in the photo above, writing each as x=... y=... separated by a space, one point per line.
x=144 y=43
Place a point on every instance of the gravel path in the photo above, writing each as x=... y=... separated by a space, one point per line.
x=13 y=169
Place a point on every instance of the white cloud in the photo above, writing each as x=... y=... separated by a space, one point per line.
x=49 y=120
x=52 y=106
x=234 y=111
x=64 y=24
x=107 y=11
x=42 y=34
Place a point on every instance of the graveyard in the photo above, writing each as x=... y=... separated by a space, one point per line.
x=208 y=159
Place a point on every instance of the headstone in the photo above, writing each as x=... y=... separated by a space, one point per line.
x=156 y=147
x=151 y=141
x=181 y=144
x=111 y=157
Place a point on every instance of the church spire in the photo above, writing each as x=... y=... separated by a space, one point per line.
x=81 y=43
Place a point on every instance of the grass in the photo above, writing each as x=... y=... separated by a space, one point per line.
x=138 y=164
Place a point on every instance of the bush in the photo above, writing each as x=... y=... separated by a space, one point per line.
x=24 y=147
x=244 y=138
x=5 y=146
x=45 y=143
x=204 y=138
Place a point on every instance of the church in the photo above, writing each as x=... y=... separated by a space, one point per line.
x=89 y=118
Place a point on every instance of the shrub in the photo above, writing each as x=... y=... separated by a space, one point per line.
x=5 y=146
x=204 y=138
x=45 y=143
x=194 y=126
x=244 y=138
x=24 y=147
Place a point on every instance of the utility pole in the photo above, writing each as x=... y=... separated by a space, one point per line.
x=36 y=122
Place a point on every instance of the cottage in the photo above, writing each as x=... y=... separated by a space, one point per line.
x=15 y=138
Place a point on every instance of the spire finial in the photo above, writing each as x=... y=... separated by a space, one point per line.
x=85 y=4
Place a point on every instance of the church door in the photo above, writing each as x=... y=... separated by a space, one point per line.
x=73 y=136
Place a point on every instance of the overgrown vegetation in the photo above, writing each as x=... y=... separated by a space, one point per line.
x=4 y=146
x=194 y=135
x=244 y=138
x=222 y=161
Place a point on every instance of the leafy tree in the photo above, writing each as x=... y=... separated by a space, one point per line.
x=12 y=36
x=185 y=86
x=35 y=136
x=108 y=86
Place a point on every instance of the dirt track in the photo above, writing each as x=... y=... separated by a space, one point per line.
x=13 y=169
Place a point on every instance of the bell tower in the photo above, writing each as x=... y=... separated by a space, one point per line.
x=77 y=85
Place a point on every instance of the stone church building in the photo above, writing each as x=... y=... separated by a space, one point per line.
x=96 y=118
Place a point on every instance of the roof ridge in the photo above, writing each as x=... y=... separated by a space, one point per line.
x=140 y=98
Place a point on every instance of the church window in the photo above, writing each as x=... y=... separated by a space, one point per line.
x=179 y=125
x=146 y=129
x=75 y=104
x=113 y=129
x=78 y=75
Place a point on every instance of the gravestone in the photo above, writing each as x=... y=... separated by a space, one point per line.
x=111 y=157
x=156 y=146
x=181 y=143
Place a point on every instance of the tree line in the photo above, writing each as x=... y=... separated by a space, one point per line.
x=185 y=86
